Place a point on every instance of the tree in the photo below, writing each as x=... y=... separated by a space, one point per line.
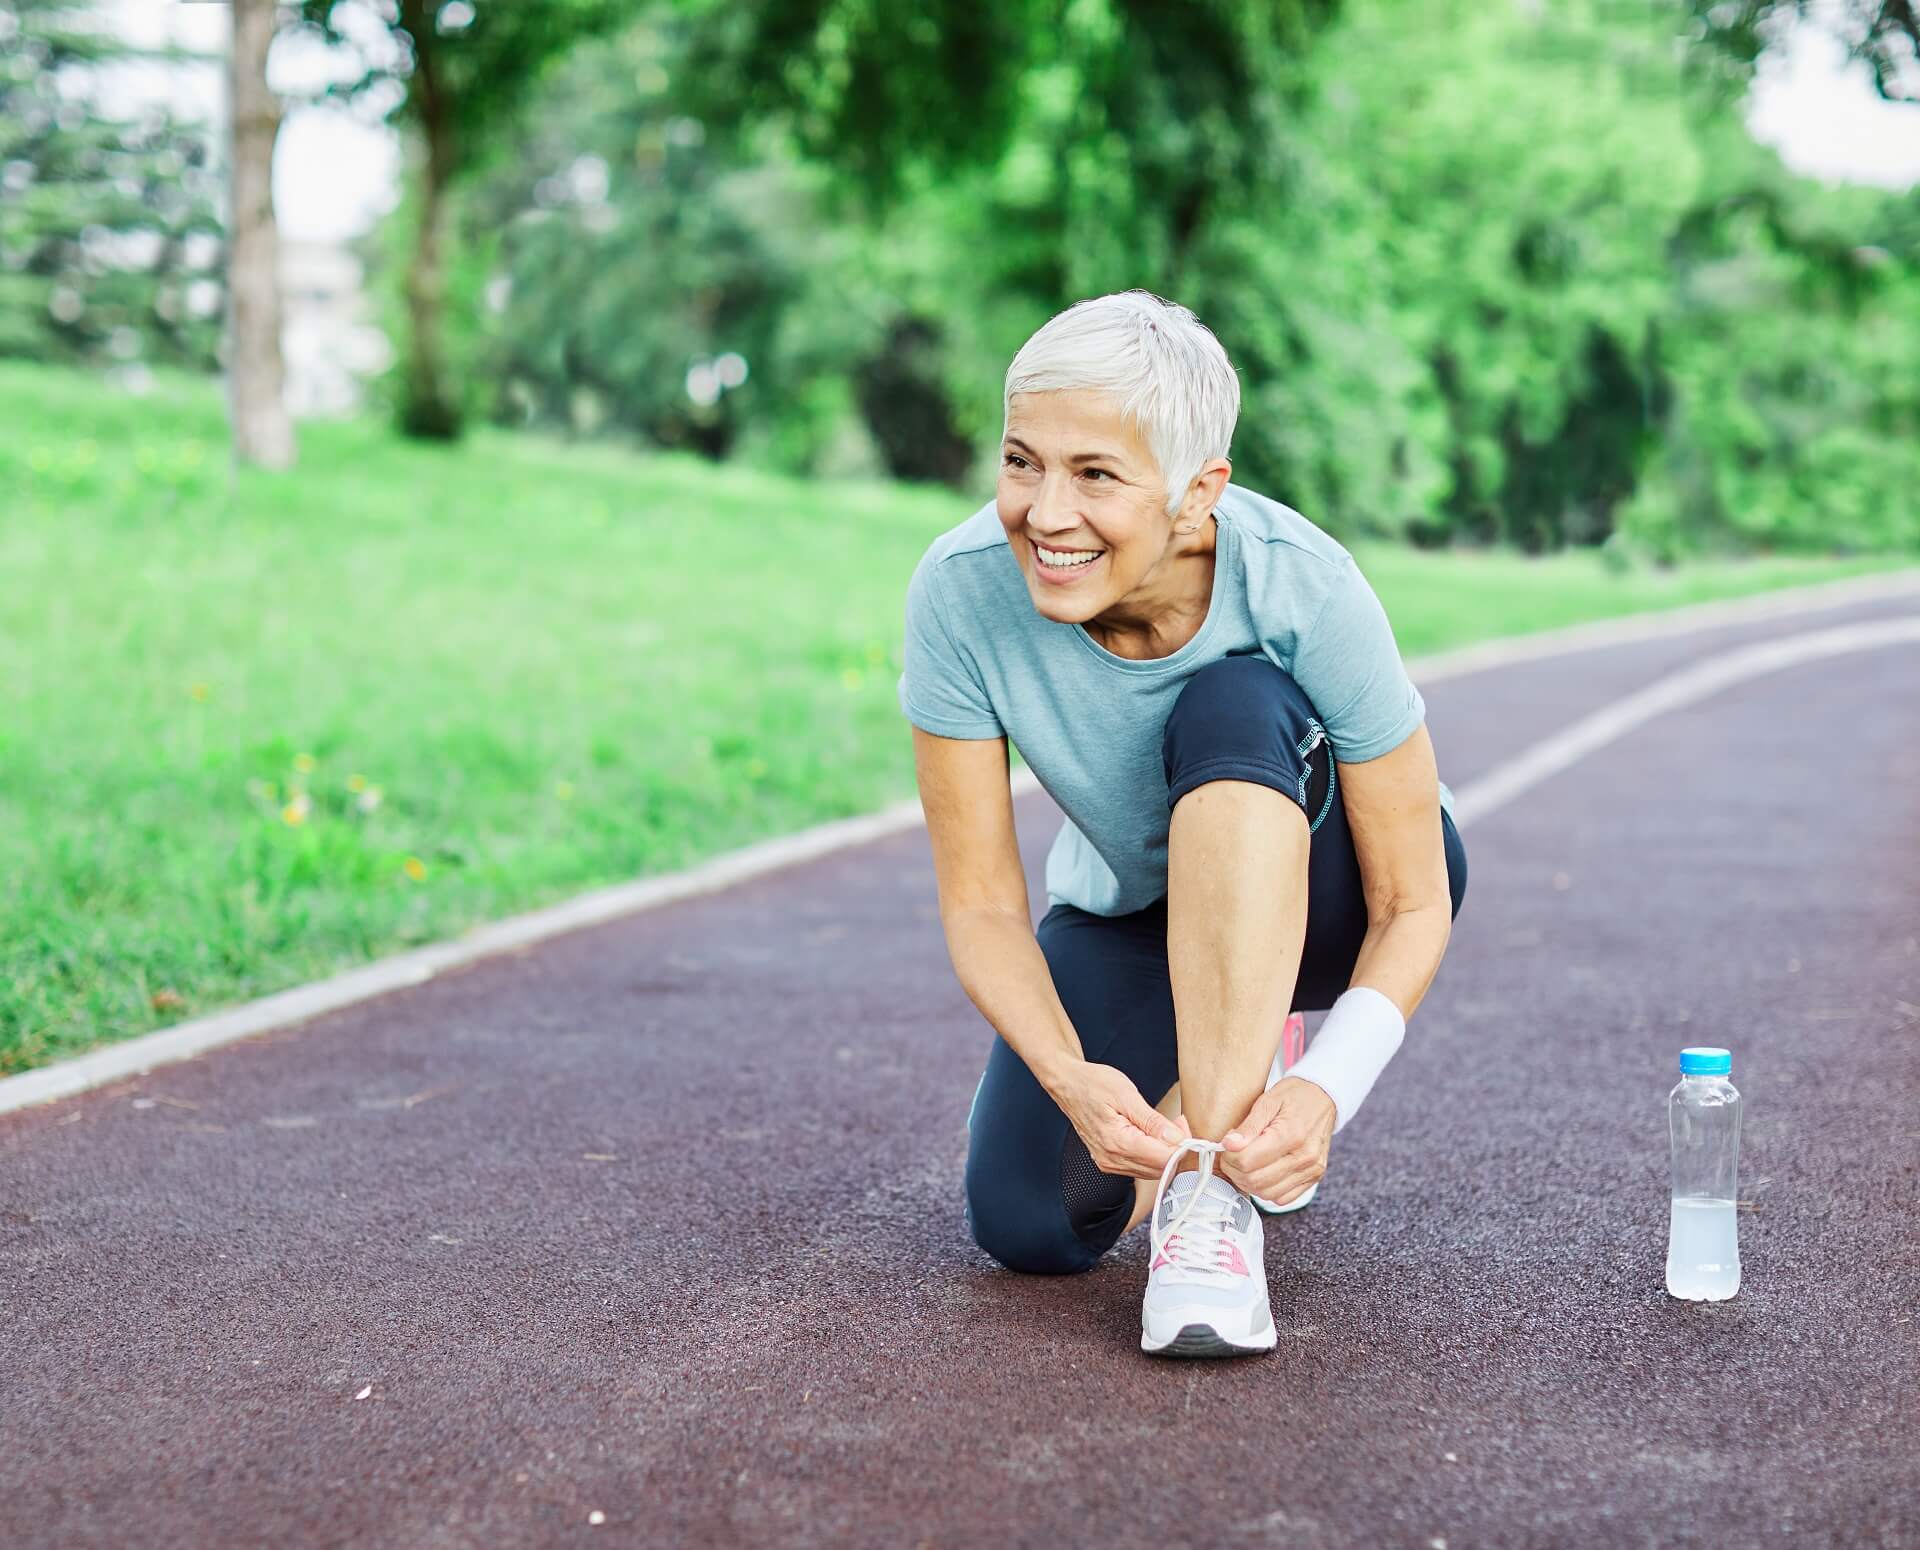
x=1172 y=109
x=262 y=431
x=109 y=227
x=464 y=70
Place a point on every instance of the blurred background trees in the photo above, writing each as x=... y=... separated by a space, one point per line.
x=110 y=233
x=1493 y=273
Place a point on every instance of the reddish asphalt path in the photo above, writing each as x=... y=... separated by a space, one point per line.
x=662 y=1220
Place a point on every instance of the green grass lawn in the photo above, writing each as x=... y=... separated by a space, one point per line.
x=254 y=732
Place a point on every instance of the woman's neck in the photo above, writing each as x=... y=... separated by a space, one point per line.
x=1158 y=627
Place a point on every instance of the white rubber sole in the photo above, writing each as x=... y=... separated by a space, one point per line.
x=1268 y=1208
x=1199 y=1337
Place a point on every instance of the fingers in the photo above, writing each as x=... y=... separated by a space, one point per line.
x=1280 y=1180
x=1274 y=1153
x=1130 y=1136
x=1151 y=1122
x=1147 y=1140
x=1258 y=1118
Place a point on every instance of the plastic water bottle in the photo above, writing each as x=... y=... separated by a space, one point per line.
x=1703 y=1117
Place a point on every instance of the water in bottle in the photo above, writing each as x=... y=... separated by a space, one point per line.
x=1703 y=1118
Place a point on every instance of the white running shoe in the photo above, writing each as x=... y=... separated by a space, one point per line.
x=1293 y=1044
x=1207 y=1279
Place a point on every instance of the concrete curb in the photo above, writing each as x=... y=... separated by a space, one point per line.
x=134 y=1057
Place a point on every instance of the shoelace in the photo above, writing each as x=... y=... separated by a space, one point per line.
x=1183 y=1253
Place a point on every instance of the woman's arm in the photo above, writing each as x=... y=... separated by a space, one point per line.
x=1393 y=808
x=968 y=801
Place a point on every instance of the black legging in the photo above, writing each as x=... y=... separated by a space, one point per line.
x=1035 y=1200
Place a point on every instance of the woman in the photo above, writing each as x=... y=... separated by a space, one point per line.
x=1208 y=687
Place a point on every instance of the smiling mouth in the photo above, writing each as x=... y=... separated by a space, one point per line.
x=1082 y=559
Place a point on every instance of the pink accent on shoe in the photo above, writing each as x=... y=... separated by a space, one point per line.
x=1160 y=1260
x=1293 y=1040
x=1236 y=1261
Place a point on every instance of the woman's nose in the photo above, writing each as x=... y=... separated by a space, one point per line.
x=1052 y=512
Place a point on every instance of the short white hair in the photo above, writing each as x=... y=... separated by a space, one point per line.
x=1170 y=374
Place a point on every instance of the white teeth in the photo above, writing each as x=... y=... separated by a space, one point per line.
x=1060 y=561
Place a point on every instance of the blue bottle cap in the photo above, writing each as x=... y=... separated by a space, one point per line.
x=1705 y=1061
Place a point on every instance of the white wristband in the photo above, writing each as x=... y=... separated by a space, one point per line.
x=1353 y=1046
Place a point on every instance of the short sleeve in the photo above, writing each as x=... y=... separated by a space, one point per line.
x=940 y=690
x=1350 y=667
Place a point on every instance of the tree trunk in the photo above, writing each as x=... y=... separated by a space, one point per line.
x=428 y=408
x=262 y=432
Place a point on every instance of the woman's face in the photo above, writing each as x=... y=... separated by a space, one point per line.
x=1075 y=477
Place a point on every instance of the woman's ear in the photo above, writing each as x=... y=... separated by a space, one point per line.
x=1203 y=494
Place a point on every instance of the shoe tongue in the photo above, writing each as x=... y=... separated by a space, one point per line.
x=1217 y=1188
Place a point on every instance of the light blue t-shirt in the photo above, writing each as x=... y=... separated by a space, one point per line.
x=981 y=661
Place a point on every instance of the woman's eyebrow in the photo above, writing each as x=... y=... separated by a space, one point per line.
x=1074 y=457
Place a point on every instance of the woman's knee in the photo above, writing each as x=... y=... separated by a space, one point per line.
x=1244 y=718
x=1024 y=1229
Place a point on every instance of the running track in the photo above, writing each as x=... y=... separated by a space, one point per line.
x=661 y=1220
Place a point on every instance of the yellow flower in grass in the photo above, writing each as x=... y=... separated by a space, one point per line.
x=850 y=677
x=415 y=868
x=356 y=783
x=304 y=762
x=563 y=789
x=295 y=812
x=198 y=692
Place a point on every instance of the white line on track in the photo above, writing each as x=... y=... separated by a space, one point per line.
x=136 y=1056
x=1688 y=686
x=1890 y=586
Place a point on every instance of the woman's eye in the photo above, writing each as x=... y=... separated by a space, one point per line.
x=1014 y=457
x=1100 y=471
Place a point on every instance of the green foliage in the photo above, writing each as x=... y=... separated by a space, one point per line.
x=1092 y=146
x=109 y=237
x=1516 y=173
x=1484 y=291
x=467 y=70
x=1790 y=341
x=611 y=202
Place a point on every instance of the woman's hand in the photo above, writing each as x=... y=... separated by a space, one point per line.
x=1124 y=1133
x=1281 y=1146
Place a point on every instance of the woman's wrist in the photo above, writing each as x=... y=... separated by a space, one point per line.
x=1052 y=1069
x=1361 y=1034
